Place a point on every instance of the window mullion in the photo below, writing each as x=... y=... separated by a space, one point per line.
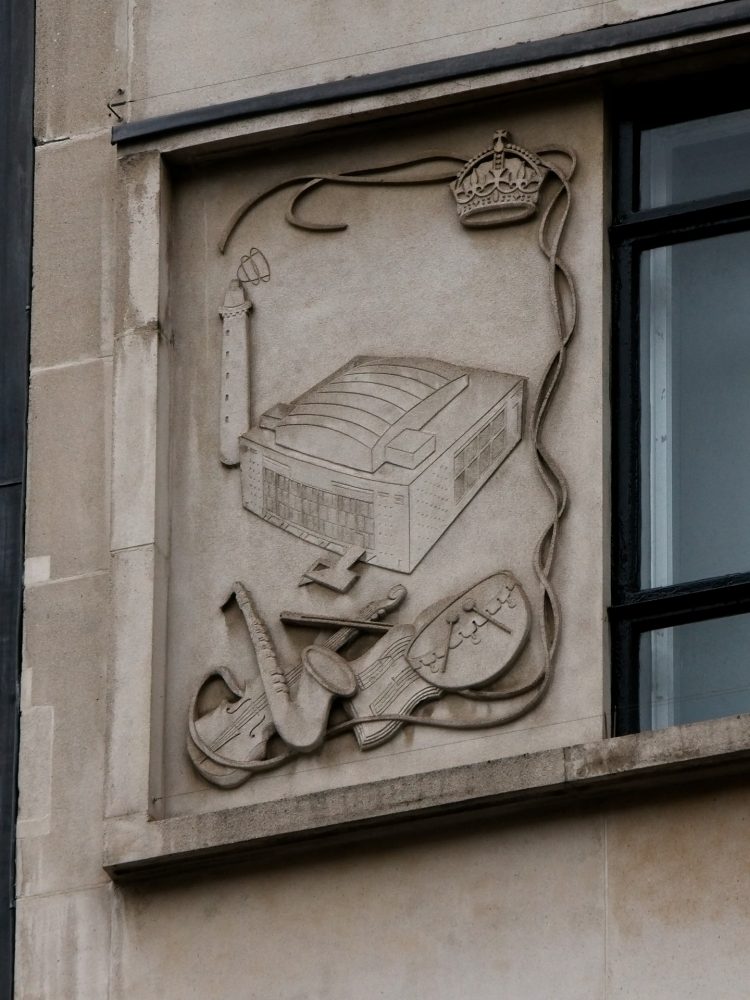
x=675 y=223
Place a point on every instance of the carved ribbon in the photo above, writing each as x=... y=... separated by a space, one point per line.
x=549 y=237
x=362 y=176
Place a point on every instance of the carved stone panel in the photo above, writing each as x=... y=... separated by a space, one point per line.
x=378 y=404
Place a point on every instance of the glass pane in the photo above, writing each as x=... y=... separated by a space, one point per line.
x=695 y=410
x=696 y=159
x=693 y=672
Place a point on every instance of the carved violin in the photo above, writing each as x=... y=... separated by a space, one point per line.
x=231 y=739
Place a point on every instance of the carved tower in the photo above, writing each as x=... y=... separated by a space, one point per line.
x=234 y=405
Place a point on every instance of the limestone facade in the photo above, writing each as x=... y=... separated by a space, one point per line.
x=539 y=858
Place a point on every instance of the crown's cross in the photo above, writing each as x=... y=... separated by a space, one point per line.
x=498 y=144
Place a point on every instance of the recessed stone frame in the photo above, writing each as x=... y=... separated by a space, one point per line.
x=140 y=530
x=138 y=840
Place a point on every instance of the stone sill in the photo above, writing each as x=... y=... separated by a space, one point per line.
x=137 y=847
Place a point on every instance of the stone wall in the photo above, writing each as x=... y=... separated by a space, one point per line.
x=630 y=897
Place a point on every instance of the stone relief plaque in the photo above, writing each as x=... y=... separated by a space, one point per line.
x=364 y=473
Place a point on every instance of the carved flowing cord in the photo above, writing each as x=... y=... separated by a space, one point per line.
x=561 y=288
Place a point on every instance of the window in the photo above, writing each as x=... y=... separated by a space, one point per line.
x=680 y=617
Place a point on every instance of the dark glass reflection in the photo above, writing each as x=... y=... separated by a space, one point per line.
x=702 y=158
x=695 y=672
x=695 y=410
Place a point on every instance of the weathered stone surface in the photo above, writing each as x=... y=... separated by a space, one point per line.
x=560 y=777
x=141 y=252
x=386 y=37
x=134 y=692
x=677 y=888
x=642 y=753
x=63 y=945
x=66 y=628
x=137 y=439
x=68 y=467
x=515 y=910
x=34 y=774
x=81 y=53
x=72 y=306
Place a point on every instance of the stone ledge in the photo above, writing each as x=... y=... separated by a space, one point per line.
x=137 y=848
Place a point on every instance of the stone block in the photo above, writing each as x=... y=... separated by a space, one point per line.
x=81 y=52
x=181 y=50
x=72 y=309
x=62 y=946
x=141 y=235
x=62 y=735
x=165 y=80
x=35 y=773
x=140 y=440
x=628 y=10
x=678 y=883
x=68 y=468
x=511 y=910
x=135 y=691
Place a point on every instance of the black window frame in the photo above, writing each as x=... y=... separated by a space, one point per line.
x=634 y=609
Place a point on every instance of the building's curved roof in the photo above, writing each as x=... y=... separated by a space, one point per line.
x=351 y=416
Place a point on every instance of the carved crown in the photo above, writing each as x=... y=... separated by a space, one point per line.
x=499 y=186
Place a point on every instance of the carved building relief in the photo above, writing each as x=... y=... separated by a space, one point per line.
x=383 y=455
x=373 y=465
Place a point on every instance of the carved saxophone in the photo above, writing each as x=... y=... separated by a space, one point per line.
x=301 y=716
x=251 y=720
